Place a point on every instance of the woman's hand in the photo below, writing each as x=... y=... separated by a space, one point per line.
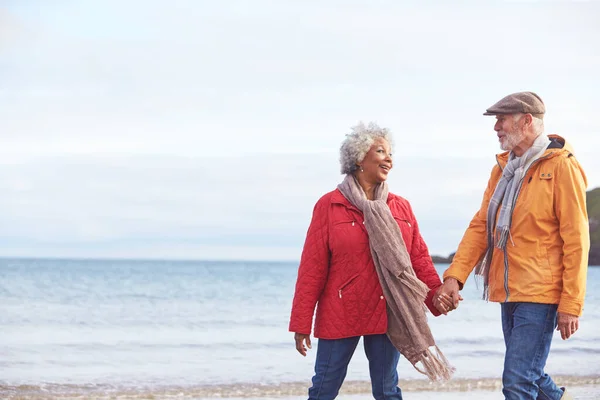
x=445 y=301
x=300 y=339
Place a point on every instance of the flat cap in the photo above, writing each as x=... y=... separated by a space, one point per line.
x=519 y=103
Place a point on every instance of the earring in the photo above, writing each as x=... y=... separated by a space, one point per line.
x=361 y=170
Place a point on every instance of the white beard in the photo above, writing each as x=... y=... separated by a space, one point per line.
x=512 y=139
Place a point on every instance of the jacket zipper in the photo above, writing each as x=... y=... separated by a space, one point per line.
x=407 y=222
x=504 y=252
x=506 y=290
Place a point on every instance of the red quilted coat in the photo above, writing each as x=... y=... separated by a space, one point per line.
x=337 y=271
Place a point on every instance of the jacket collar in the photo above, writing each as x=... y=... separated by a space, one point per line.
x=338 y=198
x=555 y=145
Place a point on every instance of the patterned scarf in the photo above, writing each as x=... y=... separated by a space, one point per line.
x=505 y=195
x=405 y=293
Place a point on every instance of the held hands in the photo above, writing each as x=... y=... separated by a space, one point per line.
x=300 y=338
x=447 y=297
x=567 y=325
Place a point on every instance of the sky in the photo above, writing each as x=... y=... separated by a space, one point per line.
x=208 y=130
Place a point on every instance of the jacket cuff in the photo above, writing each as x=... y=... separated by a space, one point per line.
x=300 y=328
x=452 y=274
x=572 y=307
x=429 y=302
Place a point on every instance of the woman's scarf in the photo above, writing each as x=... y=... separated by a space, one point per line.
x=405 y=293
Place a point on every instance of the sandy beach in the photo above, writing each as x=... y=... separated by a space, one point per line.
x=454 y=392
x=585 y=392
x=588 y=392
x=580 y=387
x=484 y=389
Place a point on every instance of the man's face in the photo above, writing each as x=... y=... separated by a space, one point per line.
x=510 y=131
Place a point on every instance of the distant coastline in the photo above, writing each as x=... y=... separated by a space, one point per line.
x=442 y=260
x=593 y=209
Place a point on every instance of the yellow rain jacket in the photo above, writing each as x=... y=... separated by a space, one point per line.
x=547 y=251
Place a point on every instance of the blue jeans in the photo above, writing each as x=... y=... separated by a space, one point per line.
x=332 y=361
x=528 y=330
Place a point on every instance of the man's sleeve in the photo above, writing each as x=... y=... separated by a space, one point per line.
x=474 y=242
x=570 y=209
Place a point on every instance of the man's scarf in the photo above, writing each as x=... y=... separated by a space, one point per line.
x=505 y=195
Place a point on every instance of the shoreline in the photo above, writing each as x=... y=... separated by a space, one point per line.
x=419 y=389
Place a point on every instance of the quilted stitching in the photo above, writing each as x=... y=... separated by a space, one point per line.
x=337 y=249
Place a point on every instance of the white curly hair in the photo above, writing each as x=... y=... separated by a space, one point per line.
x=357 y=144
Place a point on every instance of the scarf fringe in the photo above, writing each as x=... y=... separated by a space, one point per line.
x=481 y=281
x=435 y=365
x=413 y=283
x=501 y=239
x=483 y=264
x=482 y=274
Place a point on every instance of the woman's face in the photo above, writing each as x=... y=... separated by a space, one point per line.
x=377 y=162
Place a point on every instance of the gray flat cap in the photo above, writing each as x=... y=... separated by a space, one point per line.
x=519 y=103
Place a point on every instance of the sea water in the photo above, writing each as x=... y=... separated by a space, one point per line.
x=203 y=329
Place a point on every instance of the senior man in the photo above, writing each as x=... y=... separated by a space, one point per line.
x=529 y=244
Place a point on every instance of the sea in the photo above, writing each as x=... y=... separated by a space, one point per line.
x=136 y=329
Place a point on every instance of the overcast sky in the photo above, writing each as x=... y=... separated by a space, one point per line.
x=208 y=129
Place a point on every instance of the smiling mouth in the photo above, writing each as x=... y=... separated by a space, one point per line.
x=385 y=167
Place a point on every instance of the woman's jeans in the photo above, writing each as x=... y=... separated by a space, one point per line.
x=333 y=356
x=528 y=330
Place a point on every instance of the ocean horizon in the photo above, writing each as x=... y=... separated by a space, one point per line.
x=173 y=259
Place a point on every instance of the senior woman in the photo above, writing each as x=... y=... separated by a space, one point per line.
x=366 y=265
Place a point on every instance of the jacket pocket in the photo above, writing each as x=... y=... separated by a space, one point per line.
x=348 y=235
x=348 y=285
x=349 y=297
x=546 y=175
x=402 y=221
x=555 y=259
x=406 y=229
x=544 y=264
x=350 y=222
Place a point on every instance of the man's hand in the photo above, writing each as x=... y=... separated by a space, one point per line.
x=567 y=325
x=447 y=297
x=300 y=338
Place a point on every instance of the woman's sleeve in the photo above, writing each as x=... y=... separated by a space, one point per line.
x=313 y=270
x=423 y=265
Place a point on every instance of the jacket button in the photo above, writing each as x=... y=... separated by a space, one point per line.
x=381 y=297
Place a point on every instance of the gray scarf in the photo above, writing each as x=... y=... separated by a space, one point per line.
x=405 y=293
x=505 y=195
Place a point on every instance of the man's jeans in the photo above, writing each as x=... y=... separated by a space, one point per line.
x=528 y=330
x=332 y=361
